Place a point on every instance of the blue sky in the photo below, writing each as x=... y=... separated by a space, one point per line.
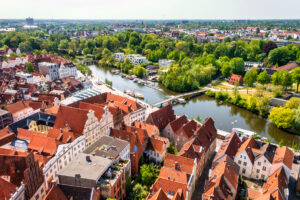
x=151 y=9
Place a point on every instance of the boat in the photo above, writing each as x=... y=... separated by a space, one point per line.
x=123 y=75
x=135 y=80
x=126 y=91
x=242 y=132
x=142 y=82
x=181 y=100
x=139 y=95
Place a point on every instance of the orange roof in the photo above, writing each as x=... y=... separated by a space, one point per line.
x=62 y=135
x=6 y=188
x=75 y=118
x=185 y=164
x=26 y=134
x=156 y=145
x=161 y=117
x=218 y=181
x=52 y=110
x=99 y=110
x=179 y=122
x=17 y=107
x=247 y=146
x=43 y=145
x=277 y=181
x=188 y=130
x=229 y=146
x=159 y=195
x=150 y=129
x=173 y=175
x=169 y=186
x=284 y=155
x=55 y=193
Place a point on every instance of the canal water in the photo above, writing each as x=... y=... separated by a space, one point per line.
x=226 y=116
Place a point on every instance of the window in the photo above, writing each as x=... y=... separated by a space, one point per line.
x=257 y=171
x=264 y=168
x=259 y=163
x=239 y=162
x=263 y=176
x=244 y=157
x=241 y=156
x=244 y=171
x=37 y=197
x=245 y=164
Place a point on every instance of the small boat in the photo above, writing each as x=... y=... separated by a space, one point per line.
x=142 y=82
x=139 y=95
x=123 y=75
x=135 y=80
x=242 y=132
x=126 y=91
x=181 y=100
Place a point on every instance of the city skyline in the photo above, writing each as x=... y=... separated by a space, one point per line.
x=143 y=10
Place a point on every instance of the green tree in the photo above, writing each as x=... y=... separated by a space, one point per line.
x=297 y=117
x=281 y=143
x=250 y=78
x=171 y=149
x=262 y=106
x=282 y=117
x=139 y=71
x=286 y=79
x=29 y=67
x=198 y=118
x=226 y=69
x=296 y=76
x=263 y=78
x=140 y=192
x=147 y=174
x=295 y=147
x=237 y=65
x=279 y=56
x=276 y=79
x=293 y=103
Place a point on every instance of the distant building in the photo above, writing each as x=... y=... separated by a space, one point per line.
x=119 y=56
x=29 y=21
x=165 y=62
x=137 y=59
x=50 y=70
x=235 y=78
x=5 y=118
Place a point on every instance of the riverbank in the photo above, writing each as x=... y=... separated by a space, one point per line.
x=226 y=116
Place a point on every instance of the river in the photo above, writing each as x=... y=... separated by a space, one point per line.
x=226 y=116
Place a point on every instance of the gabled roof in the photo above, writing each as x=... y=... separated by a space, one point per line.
x=62 y=135
x=161 y=117
x=74 y=118
x=99 y=110
x=18 y=107
x=267 y=150
x=247 y=146
x=192 y=149
x=236 y=77
x=229 y=146
x=207 y=132
x=217 y=182
x=188 y=130
x=150 y=129
x=125 y=135
x=290 y=66
x=284 y=155
x=179 y=122
x=159 y=195
x=156 y=145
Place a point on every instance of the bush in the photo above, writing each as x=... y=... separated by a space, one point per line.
x=210 y=93
x=222 y=96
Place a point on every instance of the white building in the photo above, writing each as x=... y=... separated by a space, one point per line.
x=137 y=59
x=50 y=70
x=165 y=62
x=64 y=155
x=28 y=77
x=66 y=70
x=137 y=115
x=12 y=62
x=119 y=56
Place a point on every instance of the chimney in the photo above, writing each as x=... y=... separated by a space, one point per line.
x=177 y=166
x=60 y=130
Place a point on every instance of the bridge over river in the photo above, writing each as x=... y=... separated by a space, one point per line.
x=187 y=94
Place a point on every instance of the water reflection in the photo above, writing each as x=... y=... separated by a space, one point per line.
x=226 y=116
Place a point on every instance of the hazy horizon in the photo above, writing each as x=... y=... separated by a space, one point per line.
x=151 y=10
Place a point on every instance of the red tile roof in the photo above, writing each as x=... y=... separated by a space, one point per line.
x=6 y=188
x=62 y=135
x=159 y=195
x=161 y=117
x=74 y=118
x=26 y=134
x=229 y=146
x=43 y=145
x=290 y=66
x=179 y=122
x=99 y=110
x=284 y=155
x=188 y=130
x=150 y=129
x=17 y=107
x=185 y=164
x=156 y=145
x=247 y=146
x=55 y=193
x=6 y=136
x=52 y=110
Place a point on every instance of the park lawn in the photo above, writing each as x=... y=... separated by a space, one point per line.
x=251 y=91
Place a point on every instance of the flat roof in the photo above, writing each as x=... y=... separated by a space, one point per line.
x=86 y=166
x=107 y=147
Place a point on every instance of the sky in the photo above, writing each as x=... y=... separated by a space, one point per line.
x=150 y=9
